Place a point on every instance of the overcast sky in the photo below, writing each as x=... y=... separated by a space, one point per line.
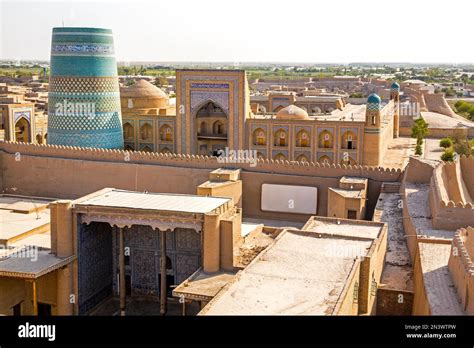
x=251 y=30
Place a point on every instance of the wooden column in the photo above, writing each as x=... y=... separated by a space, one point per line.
x=122 y=290
x=35 y=298
x=184 y=306
x=163 y=291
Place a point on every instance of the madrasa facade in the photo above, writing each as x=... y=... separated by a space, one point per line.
x=213 y=112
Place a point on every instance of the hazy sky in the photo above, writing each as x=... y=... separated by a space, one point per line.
x=251 y=30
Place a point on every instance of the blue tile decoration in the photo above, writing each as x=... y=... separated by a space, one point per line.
x=374 y=102
x=395 y=87
x=84 y=97
x=19 y=114
x=94 y=258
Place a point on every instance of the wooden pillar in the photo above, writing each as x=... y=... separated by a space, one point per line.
x=35 y=298
x=163 y=293
x=122 y=290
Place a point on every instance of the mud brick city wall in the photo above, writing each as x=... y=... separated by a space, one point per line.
x=70 y=172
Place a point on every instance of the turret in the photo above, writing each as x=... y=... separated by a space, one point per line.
x=372 y=114
x=372 y=154
x=395 y=96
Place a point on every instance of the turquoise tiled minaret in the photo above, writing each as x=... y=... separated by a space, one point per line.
x=374 y=102
x=84 y=96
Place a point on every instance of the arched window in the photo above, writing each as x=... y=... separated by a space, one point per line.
x=280 y=157
x=324 y=159
x=281 y=138
x=128 y=131
x=259 y=137
x=302 y=138
x=348 y=160
x=302 y=158
x=218 y=128
x=326 y=140
x=39 y=139
x=348 y=140
x=46 y=138
x=166 y=133
x=22 y=130
x=203 y=127
x=146 y=132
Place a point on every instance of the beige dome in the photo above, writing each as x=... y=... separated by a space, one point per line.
x=292 y=112
x=142 y=97
x=142 y=89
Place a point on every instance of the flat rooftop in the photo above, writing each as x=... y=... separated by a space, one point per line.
x=21 y=216
x=419 y=210
x=344 y=227
x=31 y=263
x=299 y=274
x=439 y=286
x=154 y=201
x=347 y=193
x=353 y=180
x=203 y=286
x=273 y=223
x=436 y=120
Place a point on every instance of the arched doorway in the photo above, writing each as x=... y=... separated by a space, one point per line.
x=259 y=137
x=146 y=132
x=280 y=138
x=349 y=140
x=302 y=138
x=22 y=130
x=39 y=138
x=203 y=128
x=128 y=131
x=218 y=128
x=326 y=140
x=211 y=124
x=166 y=133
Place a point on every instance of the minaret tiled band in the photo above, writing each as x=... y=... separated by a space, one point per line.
x=84 y=97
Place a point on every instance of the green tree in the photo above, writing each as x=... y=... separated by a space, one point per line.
x=448 y=155
x=446 y=142
x=418 y=150
x=419 y=130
